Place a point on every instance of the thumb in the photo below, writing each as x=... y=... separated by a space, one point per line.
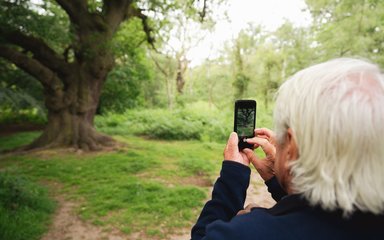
x=231 y=149
x=233 y=139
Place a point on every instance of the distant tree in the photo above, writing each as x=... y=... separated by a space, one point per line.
x=166 y=67
x=241 y=47
x=73 y=67
x=211 y=81
x=181 y=35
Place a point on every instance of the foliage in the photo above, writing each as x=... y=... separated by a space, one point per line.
x=17 y=106
x=349 y=28
x=155 y=192
x=125 y=87
x=21 y=97
x=195 y=121
x=241 y=84
x=253 y=64
x=25 y=208
x=22 y=116
x=40 y=18
x=211 y=82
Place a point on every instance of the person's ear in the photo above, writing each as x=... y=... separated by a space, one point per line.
x=291 y=146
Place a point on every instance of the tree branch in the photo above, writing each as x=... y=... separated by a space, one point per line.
x=76 y=9
x=158 y=65
x=203 y=11
x=79 y=15
x=41 y=51
x=31 y=66
x=115 y=12
x=137 y=12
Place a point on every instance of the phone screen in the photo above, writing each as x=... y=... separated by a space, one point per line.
x=245 y=122
x=245 y=118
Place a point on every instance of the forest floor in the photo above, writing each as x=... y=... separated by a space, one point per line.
x=119 y=195
x=67 y=225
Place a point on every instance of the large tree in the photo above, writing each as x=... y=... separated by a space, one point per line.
x=72 y=78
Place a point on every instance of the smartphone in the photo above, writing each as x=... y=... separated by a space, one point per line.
x=245 y=121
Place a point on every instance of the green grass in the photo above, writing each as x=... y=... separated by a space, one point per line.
x=155 y=187
x=10 y=142
x=150 y=186
x=25 y=208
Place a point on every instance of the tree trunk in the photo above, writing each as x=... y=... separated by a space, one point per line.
x=71 y=110
x=67 y=129
x=182 y=65
x=180 y=82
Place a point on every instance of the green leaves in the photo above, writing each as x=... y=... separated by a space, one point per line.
x=349 y=28
x=43 y=19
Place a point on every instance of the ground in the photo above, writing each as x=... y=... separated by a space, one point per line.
x=69 y=223
x=68 y=226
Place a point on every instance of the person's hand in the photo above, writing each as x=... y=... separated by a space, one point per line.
x=231 y=151
x=266 y=134
x=266 y=140
x=247 y=209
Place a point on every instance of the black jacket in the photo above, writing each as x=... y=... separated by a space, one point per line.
x=291 y=218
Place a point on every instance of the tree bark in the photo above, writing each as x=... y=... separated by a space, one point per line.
x=71 y=111
x=182 y=66
x=66 y=129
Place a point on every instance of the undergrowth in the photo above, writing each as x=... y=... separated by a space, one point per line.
x=25 y=208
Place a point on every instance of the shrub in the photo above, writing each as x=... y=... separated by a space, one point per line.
x=191 y=122
x=11 y=116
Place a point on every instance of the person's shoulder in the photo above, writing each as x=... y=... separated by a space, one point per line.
x=256 y=223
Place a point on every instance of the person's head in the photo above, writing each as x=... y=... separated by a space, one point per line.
x=329 y=122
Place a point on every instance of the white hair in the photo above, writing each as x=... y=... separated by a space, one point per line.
x=336 y=112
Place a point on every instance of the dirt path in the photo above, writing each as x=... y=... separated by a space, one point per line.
x=68 y=226
x=257 y=193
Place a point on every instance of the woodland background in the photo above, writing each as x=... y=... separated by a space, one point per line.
x=124 y=126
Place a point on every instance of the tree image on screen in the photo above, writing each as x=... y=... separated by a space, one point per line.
x=245 y=121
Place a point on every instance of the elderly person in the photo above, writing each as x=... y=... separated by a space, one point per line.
x=324 y=166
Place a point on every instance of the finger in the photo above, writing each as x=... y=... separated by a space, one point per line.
x=254 y=159
x=268 y=148
x=255 y=146
x=263 y=166
x=250 y=155
x=257 y=140
x=264 y=131
x=263 y=136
